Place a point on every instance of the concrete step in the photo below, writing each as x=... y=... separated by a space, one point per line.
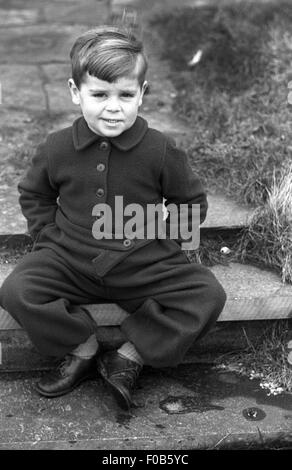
x=222 y=212
x=18 y=354
x=252 y=294
x=254 y=297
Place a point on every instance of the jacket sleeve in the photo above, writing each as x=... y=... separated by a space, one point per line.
x=38 y=196
x=182 y=190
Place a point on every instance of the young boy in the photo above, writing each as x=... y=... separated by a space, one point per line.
x=109 y=151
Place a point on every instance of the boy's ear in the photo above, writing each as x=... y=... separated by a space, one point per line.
x=143 y=89
x=74 y=91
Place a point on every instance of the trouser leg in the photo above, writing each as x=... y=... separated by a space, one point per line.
x=44 y=295
x=175 y=311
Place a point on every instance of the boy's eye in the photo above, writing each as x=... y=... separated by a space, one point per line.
x=127 y=95
x=104 y=95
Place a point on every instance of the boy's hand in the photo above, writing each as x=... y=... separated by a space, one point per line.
x=38 y=199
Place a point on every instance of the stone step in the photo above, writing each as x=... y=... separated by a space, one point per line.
x=254 y=296
x=18 y=353
x=222 y=212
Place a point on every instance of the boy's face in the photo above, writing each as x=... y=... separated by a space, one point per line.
x=108 y=108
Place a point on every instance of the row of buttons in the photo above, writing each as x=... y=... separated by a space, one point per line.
x=104 y=145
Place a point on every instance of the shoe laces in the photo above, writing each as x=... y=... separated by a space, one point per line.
x=131 y=375
x=65 y=362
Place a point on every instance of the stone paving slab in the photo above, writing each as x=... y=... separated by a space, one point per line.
x=20 y=5
x=41 y=43
x=253 y=293
x=224 y=212
x=57 y=91
x=12 y=220
x=95 y=13
x=21 y=88
x=30 y=12
x=17 y=17
x=57 y=73
x=59 y=99
x=188 y=407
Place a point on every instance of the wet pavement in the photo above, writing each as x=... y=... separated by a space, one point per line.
x=189 y=407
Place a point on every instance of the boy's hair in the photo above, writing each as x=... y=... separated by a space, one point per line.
x=107 y=53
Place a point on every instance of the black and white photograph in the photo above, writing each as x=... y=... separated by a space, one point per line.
x=146 y=229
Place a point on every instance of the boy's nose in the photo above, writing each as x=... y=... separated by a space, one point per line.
x=113 y=105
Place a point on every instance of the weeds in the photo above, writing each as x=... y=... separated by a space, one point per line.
x=268 y=239
x=266 y=360
x=266 y=242
x=245 y=168
x=235 y=98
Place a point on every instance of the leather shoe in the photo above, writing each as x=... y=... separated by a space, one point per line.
x=69 y=373
x=120 y=374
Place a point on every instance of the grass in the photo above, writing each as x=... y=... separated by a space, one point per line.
x=13 y=248
x=235 y=98
x=209 y=252
x=266 y=242
x=266 y=360
x=236 y=101
x=13 y=255
x=268 y=239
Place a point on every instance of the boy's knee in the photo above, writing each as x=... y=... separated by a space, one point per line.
x=10 y=290
x=6 y=289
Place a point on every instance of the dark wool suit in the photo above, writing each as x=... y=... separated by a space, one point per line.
x=171 y=301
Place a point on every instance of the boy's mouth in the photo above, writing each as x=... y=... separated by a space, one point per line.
x=112 y=121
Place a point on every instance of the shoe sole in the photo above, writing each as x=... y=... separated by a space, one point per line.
x=118 y=395
x=120 y=398
x=63 y=392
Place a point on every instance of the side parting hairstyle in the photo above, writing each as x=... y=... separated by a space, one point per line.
x=108 y=53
